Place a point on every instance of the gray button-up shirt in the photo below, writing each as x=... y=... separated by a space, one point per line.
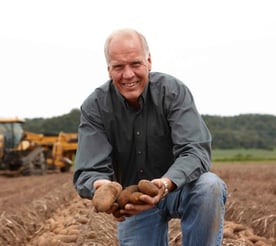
x=165 y=137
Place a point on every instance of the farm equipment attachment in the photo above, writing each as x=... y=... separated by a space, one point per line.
x=28 y=153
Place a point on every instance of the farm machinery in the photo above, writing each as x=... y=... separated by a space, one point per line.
x=28 y=153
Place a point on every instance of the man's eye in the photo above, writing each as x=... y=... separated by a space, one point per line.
x=136 y=64
x=118 y=68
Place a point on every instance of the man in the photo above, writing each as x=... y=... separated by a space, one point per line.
x=145 y=125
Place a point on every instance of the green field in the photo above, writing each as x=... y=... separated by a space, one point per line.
x=221 y=155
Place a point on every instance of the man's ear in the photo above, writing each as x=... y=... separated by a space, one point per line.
x=108 y=70
x=149 y=62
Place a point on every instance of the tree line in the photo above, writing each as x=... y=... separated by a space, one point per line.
x=228 y=132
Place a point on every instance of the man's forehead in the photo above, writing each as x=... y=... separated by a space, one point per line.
x=126 y=61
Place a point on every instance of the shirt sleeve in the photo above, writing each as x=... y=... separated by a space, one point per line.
x=190 y=135
x=93 y=156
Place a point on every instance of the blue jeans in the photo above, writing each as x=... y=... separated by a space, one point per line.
x=199 y=205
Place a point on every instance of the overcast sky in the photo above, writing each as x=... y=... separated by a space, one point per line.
x=51 y=52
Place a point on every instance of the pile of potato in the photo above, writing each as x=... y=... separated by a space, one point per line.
x=112 y=197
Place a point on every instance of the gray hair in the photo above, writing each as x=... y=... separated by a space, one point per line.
x=125 y=31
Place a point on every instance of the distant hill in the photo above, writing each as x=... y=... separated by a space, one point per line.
x=242 y=131
x=66 y=123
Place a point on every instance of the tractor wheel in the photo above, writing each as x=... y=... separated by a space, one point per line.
x=34 y=164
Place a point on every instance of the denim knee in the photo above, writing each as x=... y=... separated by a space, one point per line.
x=210 y=184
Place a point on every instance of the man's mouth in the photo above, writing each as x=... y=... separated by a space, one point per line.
x=129 y=85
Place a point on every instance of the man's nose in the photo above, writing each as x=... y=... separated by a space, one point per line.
x=128 y=72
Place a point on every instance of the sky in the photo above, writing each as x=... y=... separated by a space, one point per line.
x=51 y=52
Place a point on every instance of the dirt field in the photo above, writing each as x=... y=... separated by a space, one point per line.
x=45 y=210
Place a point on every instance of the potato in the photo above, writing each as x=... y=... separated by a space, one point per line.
x=132 y=188
x=105 y=196
x=147 y=187
x=114 y=206
x=135 y=198
x=67 y=238
x=117 y=186
x=123 y=197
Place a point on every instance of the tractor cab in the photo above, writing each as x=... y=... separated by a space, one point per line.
x=11 y=132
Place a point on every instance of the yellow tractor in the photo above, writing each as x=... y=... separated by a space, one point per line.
x=28 y=153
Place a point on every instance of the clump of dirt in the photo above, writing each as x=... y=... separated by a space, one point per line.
x=77 y=224
x=251 y=195
x=46 y=210
x=17 y=227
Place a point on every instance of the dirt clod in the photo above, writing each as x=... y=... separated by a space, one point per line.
x=46 y=210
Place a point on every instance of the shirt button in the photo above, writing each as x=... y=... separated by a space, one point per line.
x=138 y=133
x=141 y=171
x=139 y=152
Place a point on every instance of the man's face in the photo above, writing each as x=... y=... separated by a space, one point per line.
x=129 y=67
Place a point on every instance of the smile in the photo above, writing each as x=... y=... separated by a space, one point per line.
x=129 y=85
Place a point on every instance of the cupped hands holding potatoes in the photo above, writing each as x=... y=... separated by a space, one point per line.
x=110 y=197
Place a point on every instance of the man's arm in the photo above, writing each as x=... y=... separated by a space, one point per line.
x=190 y=136
x=93 y=161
